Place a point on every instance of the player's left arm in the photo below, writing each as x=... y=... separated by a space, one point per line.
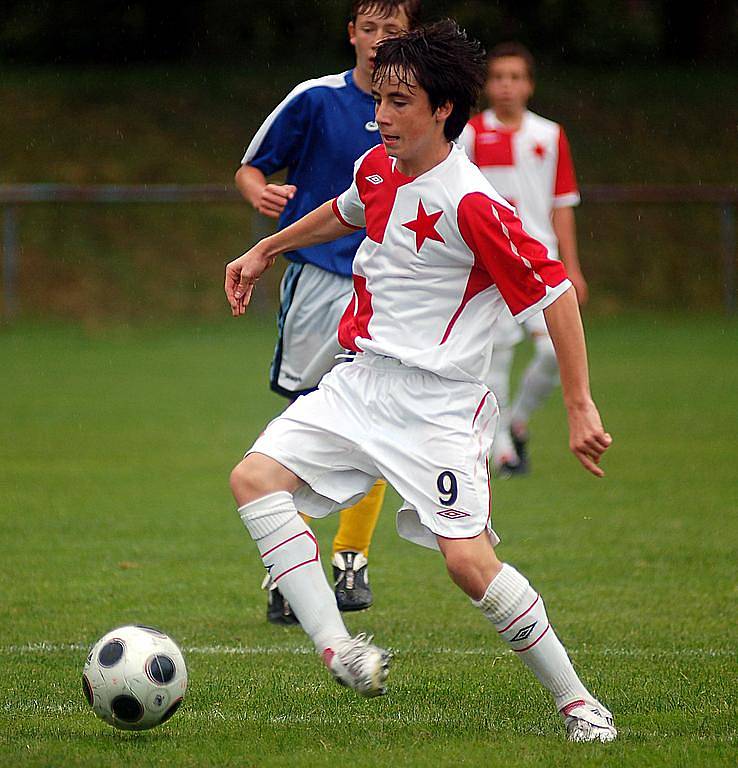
x=565 y=197
x=564 y=226
x=587 y=437
x=318 y=226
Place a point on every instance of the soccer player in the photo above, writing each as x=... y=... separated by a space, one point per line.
x=443 y=252
x=526 y=158
x=316 y=134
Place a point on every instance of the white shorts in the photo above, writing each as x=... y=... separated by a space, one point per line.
x=507 y=332
x=312 y=302
x=375 y=417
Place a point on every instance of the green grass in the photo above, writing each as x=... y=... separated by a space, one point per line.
x=114 y=508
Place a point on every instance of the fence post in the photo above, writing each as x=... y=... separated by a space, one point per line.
x=10 y=262
x=728 y=248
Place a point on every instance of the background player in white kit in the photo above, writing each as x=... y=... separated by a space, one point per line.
x=526 y=158
x=443 y=254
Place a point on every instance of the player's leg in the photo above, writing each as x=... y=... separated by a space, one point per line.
x=351 y=550
x=263 y=490
x=507 y=334
x=538 y=381
x=445 y=485
x=504 y=456
x=309 y=458
x=518 y=613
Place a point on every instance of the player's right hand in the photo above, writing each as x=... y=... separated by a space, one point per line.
x=274 y=198
x=241 y=275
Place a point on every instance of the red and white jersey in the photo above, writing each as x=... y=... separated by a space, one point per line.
x=531 y=168
x=443 y=255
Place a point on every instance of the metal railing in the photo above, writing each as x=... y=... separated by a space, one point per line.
x=14 y=196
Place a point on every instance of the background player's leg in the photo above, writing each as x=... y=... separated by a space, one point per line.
x=539 y=379
x=518 y=614
x=351 y=550
x=504 y=456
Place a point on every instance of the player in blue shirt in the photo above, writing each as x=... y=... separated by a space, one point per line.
x=316 y=133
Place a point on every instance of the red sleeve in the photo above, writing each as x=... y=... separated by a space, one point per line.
x=566 y=181
x=518 y=264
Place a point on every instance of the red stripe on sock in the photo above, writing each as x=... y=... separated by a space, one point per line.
x=312 y=559
x=527 y=610
x=287 y=541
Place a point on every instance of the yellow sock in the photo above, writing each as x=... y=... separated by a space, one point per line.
x=357 y=523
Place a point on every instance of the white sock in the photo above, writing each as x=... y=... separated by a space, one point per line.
x=290 y=554
x=518 y=613
x=539 y=379
x=498 y=380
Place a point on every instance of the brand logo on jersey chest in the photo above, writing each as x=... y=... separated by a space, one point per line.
x=375 y=178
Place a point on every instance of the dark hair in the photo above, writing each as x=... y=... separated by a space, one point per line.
x=443 y=61
x=386 y=8
x=514 y=48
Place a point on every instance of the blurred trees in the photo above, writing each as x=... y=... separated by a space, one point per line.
x=119 y=32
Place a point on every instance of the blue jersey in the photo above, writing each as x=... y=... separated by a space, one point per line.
x=317 y=133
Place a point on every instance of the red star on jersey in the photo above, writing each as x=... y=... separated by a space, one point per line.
x=424 y=226
x=540 y=150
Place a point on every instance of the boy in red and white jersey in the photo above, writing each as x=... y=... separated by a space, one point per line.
x=443 y=255
x=527 y=159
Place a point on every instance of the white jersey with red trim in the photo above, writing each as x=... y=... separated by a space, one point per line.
x=530 y=167
x=443 y=255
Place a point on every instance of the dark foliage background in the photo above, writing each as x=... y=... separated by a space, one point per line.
x=118 y=32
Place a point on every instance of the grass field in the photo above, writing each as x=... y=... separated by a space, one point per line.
x=114 y=508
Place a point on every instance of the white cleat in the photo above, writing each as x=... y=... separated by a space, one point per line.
x=588 y=721
x=358 y=664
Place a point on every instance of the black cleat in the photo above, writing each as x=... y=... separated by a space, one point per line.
x=351 y=578
x=278 y=609
x=520 y=443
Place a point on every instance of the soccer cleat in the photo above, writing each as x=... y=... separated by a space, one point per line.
x=507 y=467
x=278 y=609
x=588 y=721
x=520 y=443
x=358 y=664
x=351 y=579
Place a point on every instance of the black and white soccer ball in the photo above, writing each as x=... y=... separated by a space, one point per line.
x=134 y=678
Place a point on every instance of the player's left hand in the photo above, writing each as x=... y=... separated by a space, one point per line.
x=587 y=437
x=241 y=275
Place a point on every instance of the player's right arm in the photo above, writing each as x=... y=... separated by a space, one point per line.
x=268 y=199
x=318 y=226
x=275 y=146
x=529 y=282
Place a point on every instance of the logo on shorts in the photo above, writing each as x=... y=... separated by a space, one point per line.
x=452 y=514
x=524 y=633
x=375 y=178
x=371 y=125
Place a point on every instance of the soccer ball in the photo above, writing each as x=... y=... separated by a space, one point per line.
x=134 y=678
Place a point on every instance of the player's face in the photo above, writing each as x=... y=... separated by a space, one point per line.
x=410 y=130
x=368 y=30
x=508 y=84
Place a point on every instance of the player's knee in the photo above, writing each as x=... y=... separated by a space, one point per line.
x=460 y=564
x=250 y=479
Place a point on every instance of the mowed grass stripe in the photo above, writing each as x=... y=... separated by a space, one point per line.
x=115 y=509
